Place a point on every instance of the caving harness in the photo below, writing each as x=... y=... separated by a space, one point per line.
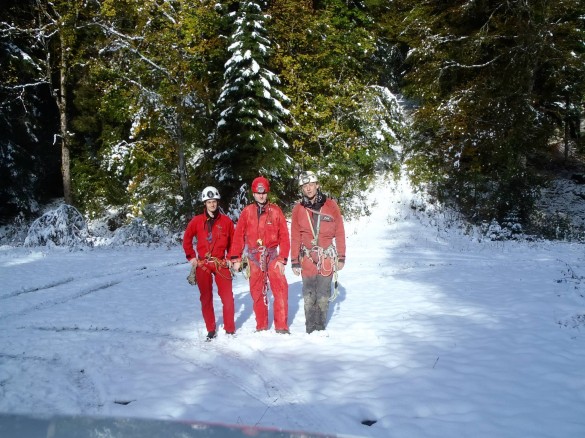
x=318 y=255
x=219 y=263
x=261 y=257
x=202 y=262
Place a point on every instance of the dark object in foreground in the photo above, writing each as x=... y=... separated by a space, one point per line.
x=16 y=426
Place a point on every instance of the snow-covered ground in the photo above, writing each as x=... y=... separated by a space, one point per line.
x=434 y=334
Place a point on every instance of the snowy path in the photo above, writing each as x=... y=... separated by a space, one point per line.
x=432 y=335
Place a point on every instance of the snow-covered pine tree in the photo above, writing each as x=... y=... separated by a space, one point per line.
x=252 y=119
x=238 y=202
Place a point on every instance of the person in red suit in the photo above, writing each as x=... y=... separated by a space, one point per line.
x=317 y=248
x=262 y=230
x=213 y=232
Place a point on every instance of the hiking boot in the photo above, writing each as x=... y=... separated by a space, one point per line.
x=211 y=335
x=261 y=330
x=283 y=331
x=230 y=333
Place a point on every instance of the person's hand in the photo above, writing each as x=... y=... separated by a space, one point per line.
x=193 y=262
x=280 y=266
x=236 y=266
x=296 y=271
x=340 y=265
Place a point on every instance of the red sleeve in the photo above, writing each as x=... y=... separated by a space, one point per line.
x=295 y=235
x=188 y=236
x=284 y=239
x=339 y=234
x=231 y=236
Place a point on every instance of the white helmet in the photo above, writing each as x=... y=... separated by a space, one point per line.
x=209 y=192
x=307 y=177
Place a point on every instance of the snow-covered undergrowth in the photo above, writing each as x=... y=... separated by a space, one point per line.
x=560 y=215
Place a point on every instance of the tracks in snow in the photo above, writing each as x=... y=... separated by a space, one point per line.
x=71 y=288
x=259 y=381
x=43 y=373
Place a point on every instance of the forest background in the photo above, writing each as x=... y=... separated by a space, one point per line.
x=126 y=109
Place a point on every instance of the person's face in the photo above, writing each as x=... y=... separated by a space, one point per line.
x=211 y=205
x=310 y=189
x=260 y=198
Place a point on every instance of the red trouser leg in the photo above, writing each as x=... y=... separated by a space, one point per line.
x=205 y=285
x=223 y=280
x=258 y=298
x=279 y=287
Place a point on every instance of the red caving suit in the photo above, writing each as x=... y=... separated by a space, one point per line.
x=263 y=229
x=214 y=237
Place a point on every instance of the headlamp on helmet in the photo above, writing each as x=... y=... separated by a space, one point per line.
x=260 y=185
x=307 y=177
x=208 y=193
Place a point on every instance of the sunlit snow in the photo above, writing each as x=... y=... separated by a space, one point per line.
x=435 y=334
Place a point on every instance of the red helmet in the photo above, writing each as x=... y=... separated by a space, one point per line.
x=260 y=185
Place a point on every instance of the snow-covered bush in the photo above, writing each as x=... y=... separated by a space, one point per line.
x=15 y=233
x=509 y=229
x=139 y=232
x=63 y=226
x=555 y=226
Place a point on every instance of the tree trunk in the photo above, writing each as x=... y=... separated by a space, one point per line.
x=46 y=19
x=567 y=130
x=62 y=104
x=182 y=164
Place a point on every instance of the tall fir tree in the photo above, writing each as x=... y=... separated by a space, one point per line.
x=252 y=110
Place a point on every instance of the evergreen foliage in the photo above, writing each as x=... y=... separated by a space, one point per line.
x=152 y=100
x=238 y=202
x=482 y=72
x=252 y=110
x=29 y=161
x=344 y=122
x=153 y=106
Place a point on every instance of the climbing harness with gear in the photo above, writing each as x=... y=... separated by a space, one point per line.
x=219 y=263
x=261 y=257
x=325 y=260
x=202 y=263
x=319 y=255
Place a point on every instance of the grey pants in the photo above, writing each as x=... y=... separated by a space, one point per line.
x=316 y=294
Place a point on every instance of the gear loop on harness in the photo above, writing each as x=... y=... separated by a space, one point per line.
x=219 y=263
x=318 y=255
x=261 y=256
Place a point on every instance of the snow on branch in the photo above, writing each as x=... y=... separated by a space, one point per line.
x=63 y=226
